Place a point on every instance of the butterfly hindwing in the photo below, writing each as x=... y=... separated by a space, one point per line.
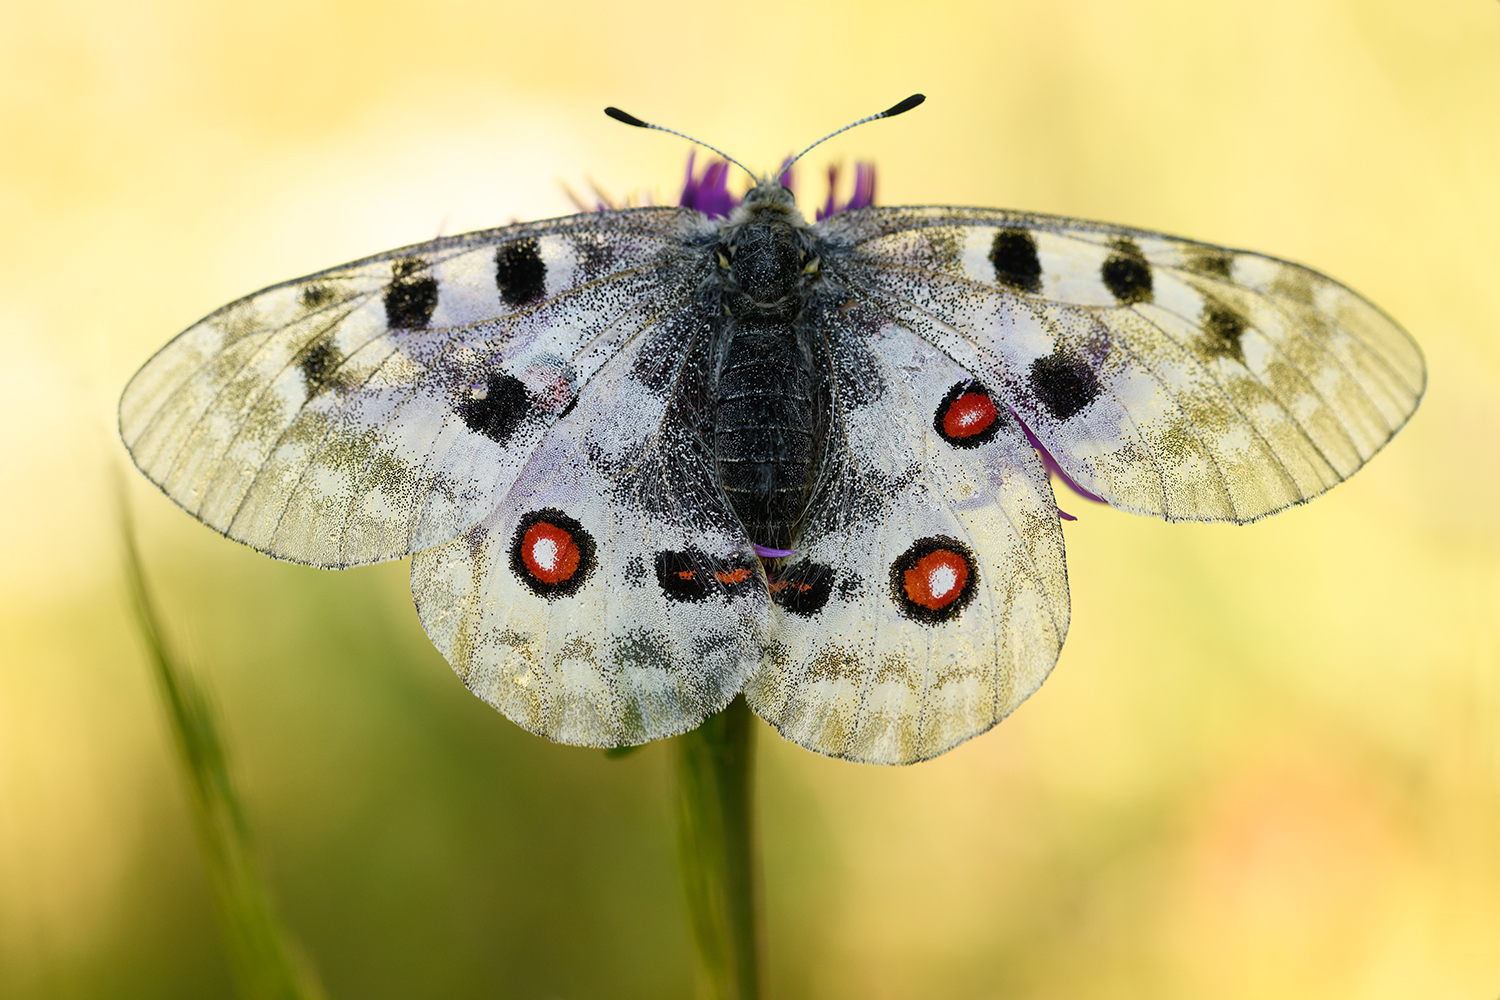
x=928 y=596
x=1168 y=377
x=611 y=597
x=375 y=409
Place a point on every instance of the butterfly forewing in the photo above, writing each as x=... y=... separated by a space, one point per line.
x=1166 y=376
x=376 y=409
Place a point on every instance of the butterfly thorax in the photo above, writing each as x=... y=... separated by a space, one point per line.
x=764 y=253
x=768 y=414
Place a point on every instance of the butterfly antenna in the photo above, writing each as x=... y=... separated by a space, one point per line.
x=629 y=119
x=890 y=112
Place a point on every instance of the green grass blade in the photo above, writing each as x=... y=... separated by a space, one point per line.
x=265 y=962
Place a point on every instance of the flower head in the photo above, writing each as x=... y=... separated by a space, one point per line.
x=863 y=195
x=708 y=191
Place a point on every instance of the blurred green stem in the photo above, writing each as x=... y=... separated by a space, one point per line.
x=263 y=959
x=717 y=846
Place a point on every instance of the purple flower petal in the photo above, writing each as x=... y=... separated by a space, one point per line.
x=788 y=176
x=864 y=187
x=1051 y=464
x=709 y=193
x=831 y=205
x=768 y=553
x=863 y=195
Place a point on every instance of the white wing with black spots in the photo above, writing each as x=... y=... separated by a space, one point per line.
x=376 y=409
x=928 y=596
x=611 y=597
x=570 y=424
x=1168 y=377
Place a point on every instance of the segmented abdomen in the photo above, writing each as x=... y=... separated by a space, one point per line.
x=765 y=426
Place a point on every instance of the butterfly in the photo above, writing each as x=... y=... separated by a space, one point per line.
x=644 y=460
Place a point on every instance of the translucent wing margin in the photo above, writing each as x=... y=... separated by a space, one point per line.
x=1168 y=377
x=376 y=409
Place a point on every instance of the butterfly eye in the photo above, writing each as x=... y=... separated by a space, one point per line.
x=813 y=266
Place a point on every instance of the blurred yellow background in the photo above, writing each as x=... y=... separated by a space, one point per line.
x=1268 y=762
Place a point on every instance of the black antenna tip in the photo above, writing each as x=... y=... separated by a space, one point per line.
x=629 y=119
x=904 y=106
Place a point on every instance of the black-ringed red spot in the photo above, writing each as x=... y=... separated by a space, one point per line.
x=968 y=416
x=934 y=580
x=551 y=553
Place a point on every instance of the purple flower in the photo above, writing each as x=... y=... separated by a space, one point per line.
x=788 y=175
x=1050 y=464
x=709 y=193
x=863 y=195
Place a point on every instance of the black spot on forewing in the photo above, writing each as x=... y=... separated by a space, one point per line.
x=520 y=272
x=1016 y=265
x=1297 y=284
x=1209 y=261
x=237 y=321
x=1126 y=274
x=1223 y=329
x=595 y=255
x=319 y=364
x=1064 y=383
x=411 y=296
x=497 y=409
x=315 y=297
x=803 y=589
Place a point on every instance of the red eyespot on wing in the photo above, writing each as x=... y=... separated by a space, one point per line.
x=934 y=580
x=551 y=553
x=967 y=416
x=972 y=413
x=937 y=579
